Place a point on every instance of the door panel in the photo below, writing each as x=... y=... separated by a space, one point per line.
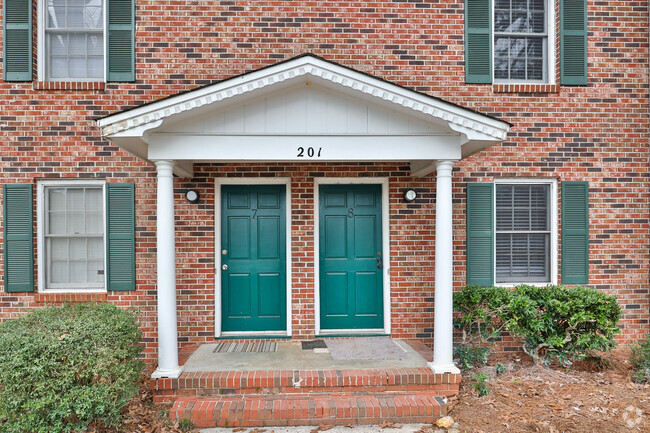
x=253 y=238
x=351 y=282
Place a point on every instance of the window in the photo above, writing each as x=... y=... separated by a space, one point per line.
x=513 y=232
x=522 y=233
x=520 y=40
x=73 y=36
x=513 y=41
x=73 y=226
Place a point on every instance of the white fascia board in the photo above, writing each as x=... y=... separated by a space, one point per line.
x=402 y=99
x=305 y=148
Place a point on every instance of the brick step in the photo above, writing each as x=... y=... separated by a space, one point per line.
x=292 y=382
x=309 y=409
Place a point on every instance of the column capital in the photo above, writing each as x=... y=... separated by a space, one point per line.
x=444 y=167
x=164 y=167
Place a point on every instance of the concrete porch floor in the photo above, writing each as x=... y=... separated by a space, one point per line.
x=291 y=356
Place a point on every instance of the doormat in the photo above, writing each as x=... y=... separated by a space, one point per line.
x=379 y=348
x=314 y=344
x=258 y=346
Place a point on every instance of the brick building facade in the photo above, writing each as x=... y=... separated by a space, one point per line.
x=72 y=124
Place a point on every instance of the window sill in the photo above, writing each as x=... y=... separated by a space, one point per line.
x=69 y=85
x=526 y=88
x=50 y=297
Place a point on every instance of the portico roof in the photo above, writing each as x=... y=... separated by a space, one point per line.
x=305 y=108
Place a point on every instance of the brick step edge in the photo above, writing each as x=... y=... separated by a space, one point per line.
x=309 y=409
x=287 y=381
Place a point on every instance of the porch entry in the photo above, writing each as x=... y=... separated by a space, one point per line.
x=253 y=249
x=351 y=258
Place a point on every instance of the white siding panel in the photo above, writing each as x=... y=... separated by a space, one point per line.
x=337 y=114
x=296 y=112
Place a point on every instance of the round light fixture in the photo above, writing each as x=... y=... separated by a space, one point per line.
x=410 y=195
x=192 y=195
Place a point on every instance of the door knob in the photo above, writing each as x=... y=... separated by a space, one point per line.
x=224 y=267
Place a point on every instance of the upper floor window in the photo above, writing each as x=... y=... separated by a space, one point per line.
x=73 y=37
x=513 y=41
x=520 y=40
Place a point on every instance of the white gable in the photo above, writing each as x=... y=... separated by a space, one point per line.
x=304 y=105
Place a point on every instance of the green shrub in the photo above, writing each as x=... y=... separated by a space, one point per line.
x=480 y=384
x=560 y=323
x=553 y=322
x=65 y=367
x=640 y=360
x=470 y=356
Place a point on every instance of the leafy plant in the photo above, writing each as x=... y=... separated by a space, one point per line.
x=553 y=322
x=480 y=384
x=560 y=323
x=65 y=367
x=470 y=356
x=186 y=424
x=640 y=360
x=501 y=368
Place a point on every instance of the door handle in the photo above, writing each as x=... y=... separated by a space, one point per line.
x=224 y=267
x=380 y=262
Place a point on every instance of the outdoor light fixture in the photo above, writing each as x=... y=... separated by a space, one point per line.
x=192 y=195
x=410 y=195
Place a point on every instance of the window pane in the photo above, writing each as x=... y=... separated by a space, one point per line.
x=522 y=233
x=74 y=242
x=522 y=257
x=74 y=39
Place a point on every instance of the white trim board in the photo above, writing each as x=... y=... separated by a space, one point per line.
x=217 y=243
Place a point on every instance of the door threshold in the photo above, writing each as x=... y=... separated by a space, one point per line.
x=234 y=335
x=352 y=333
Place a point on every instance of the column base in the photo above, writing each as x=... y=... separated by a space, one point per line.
x=443 y=368
x=170 y=374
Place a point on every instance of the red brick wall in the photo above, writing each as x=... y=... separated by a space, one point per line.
x=597 y=133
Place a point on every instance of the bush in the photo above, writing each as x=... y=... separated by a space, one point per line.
x=65 y=367
x=563 y=324
x=470 y=356
x=640 y=360
x=554 y=322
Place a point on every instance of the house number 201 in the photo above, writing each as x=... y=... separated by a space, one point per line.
x=310 y=152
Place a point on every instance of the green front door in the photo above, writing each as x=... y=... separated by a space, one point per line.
x=253 y=257
x=351 y=260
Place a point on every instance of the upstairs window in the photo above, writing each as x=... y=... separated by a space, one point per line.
x=520 y=40
x=74 y=40
x=513 y=41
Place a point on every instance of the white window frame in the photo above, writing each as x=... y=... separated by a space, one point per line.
x=42 y=52
x=40 y=224
x=549 y=61
x=553 y=221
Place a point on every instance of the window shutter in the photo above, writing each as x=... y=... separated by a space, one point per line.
x=120 y=245
x=478 y=41
x=480 y=233
x=17 y=39
x=575 y=232
x=573 y=42
x=121 y=40
x=18 y=238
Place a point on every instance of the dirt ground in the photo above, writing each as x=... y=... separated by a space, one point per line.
x=525 y=398
x=535 y=399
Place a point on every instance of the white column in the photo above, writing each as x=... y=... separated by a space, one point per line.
x=443 y=328
x=166 y=270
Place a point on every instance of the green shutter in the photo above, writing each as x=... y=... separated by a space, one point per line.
x=573 y=42
x=575 y=232
x=480 y=234
x=18 y=238
x=17 y=37
x=478 y=41
x=120 y=245
x=121 y=40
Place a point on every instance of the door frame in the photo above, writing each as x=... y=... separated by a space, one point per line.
x=217 y=249
x=385 y=245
